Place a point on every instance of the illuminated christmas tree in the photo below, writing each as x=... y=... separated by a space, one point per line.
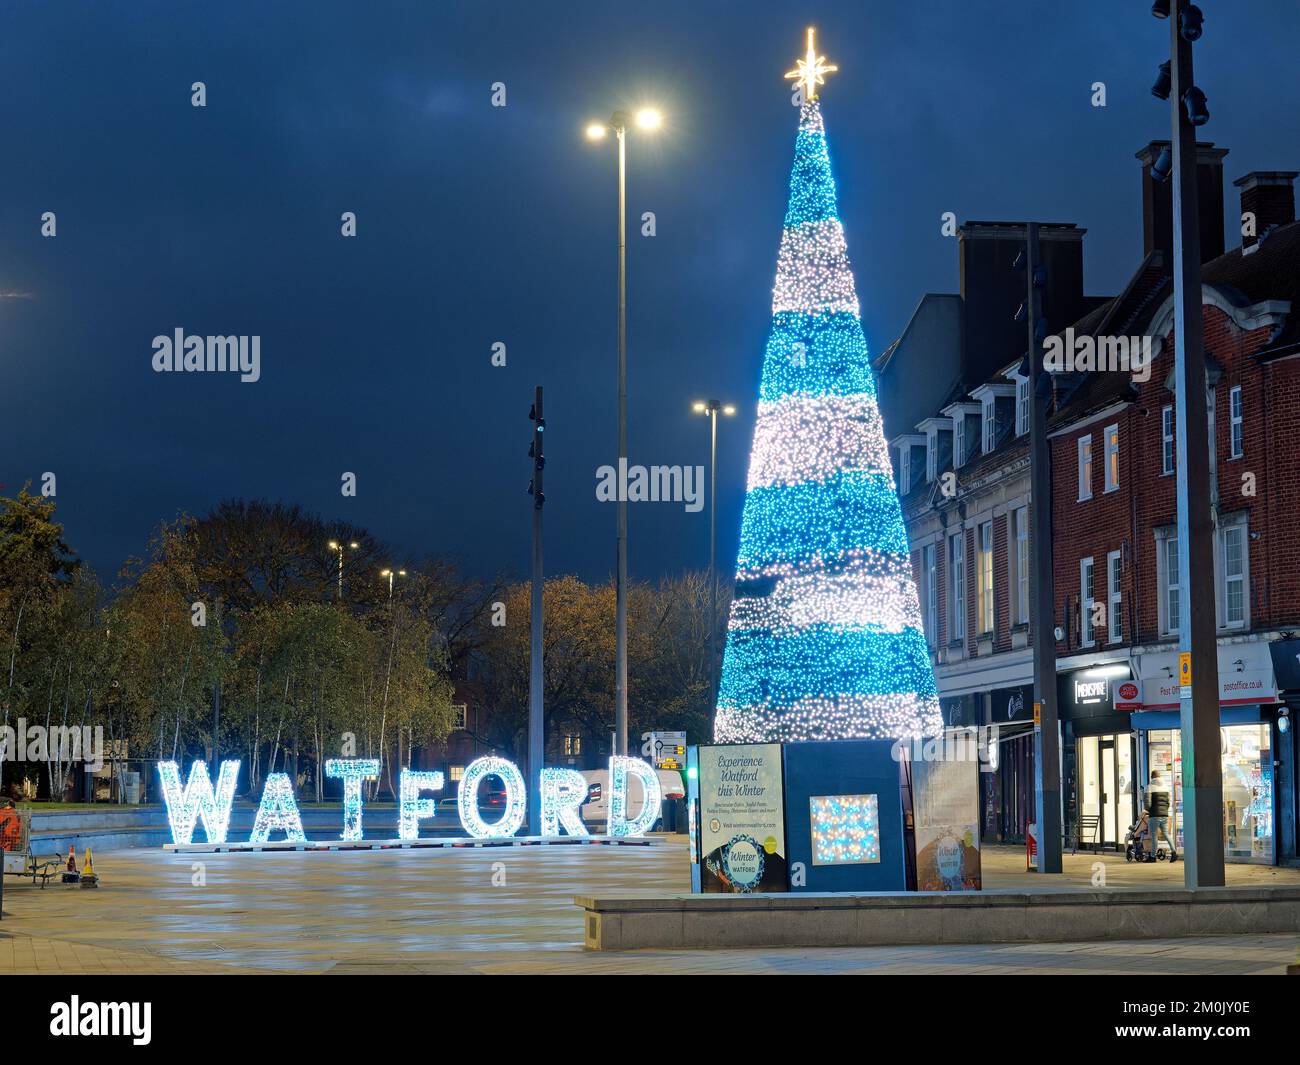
x=824 y=639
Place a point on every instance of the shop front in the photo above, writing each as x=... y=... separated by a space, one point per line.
x=1247 y=741
x=1009 y=790
x=1099 y=754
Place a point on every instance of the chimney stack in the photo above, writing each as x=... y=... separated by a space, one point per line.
x=1268 y=196
x=1158 y=204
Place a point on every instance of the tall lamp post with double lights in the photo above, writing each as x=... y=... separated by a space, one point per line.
x=711 y=408
x=647 y=119
x=351 y=545
x=390 y=574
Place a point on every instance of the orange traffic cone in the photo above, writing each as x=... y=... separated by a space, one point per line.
x=70 y=874
x=88 y=877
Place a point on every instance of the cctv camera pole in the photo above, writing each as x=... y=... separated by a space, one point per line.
x=536 y=745
x=1202 y=774
x=1047 y=733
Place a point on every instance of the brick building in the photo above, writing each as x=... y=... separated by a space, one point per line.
x=964 y=481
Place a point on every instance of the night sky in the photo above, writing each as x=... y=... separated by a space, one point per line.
x=479 y=224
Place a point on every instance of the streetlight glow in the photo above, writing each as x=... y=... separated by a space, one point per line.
x=728 y=409
x=595 y=131
x=698 y=408
x=649 y=118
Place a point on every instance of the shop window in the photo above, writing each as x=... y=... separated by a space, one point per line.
x=1247 y=763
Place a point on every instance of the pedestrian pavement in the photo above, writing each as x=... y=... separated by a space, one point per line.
x=510 y=910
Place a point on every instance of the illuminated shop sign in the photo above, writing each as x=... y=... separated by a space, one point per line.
x=563 y=791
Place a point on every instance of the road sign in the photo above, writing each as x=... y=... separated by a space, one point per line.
x=668 y=750
x=1184 y=674
x=1038 y=712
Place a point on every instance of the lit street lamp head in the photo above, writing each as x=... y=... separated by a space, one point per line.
x=648 y=118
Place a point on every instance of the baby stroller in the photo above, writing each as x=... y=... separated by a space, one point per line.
x=1136 y=842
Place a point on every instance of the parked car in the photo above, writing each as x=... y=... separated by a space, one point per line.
x=595 y=811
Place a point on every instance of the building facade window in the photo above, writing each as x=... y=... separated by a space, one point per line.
x=1233 y=568
x=1237 y=437
x=985 y=573
x=455 y=772
x=904 y=469
x=957 y=592
x=1085 y=467
x=572 y=745
x=1167 y=440
x=1168 y=580
x=1087 y=631
x=989 y=422
x=958 y=441
x=1112 y=457
x=1022 y=406
x=931 y=456
x=930 y=568
x=1115 y=603
x=1020 y=520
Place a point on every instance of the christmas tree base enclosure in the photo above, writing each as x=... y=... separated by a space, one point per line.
x=847 y=815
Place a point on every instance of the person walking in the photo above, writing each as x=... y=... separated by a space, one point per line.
x=1158 y=803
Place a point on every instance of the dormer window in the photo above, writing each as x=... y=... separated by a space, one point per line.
x=988 y=419
x=1022 y=406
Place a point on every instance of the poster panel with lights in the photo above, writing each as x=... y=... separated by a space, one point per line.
x=844 y=816
x=737 y=818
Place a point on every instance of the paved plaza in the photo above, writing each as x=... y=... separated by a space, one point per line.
x=506 y=910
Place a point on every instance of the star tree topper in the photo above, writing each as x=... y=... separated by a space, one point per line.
x=811 y=70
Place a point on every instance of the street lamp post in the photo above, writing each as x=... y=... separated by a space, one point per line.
x=336 y=546
x=390 y=574
x=710 y=409
x=648 y=119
